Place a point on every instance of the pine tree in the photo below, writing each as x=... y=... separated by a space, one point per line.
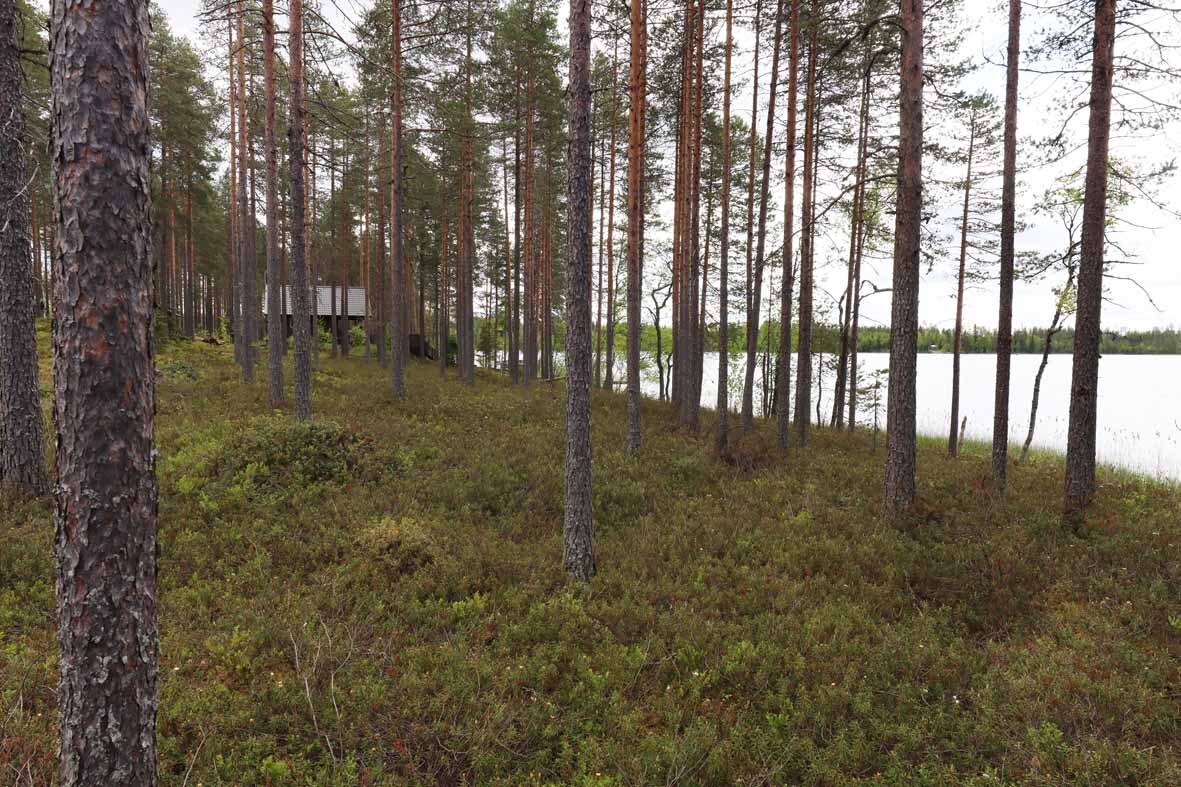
x=900 y=406
x=579 y=555
x=104 y=392
x=1004 y=347
x=22 y=461
x=1084 y=382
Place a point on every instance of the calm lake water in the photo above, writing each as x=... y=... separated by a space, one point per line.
x=1139 y=416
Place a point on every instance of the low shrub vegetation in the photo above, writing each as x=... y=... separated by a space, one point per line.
x=377 y=598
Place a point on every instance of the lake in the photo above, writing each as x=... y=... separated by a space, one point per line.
x=1139 y=417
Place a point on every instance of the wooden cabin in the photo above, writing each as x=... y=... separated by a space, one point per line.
x=322 y=307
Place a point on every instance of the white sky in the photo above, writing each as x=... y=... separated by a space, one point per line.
x=1157 y=244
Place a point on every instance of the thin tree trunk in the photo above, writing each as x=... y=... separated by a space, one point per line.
x=782 y=418
x=1055 y=327
x=637 y=88
x=530 y=243
x=723 y=406
x=233 y=277
x=1084 y=384
x=750 y=193
x=803 y=403
x=953 y=435
x=514 y=362
x=899 y=491
x=854 y=325
x=599 y=326
x=468 y=241
x=345 y=251
x=838 y=406
x=245 y=216
x=104 y=387
x=22 y=442
x=275 y=332
x=609 y=373
x=752 y=325
x=444 y=317
x=397 y=295
x=1004 y=329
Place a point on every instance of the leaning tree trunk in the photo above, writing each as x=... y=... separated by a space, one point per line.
x=276 y=340
x=302 y=361
x=579 y=550
x=637 y=89
x=1004 y=328
x=104 y=387
x=1055 y=327
x=1080 y=443
x=904 y=314
x=22 y=464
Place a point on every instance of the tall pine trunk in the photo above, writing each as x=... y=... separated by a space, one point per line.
x=803 y=403
x=752 y=323
x=1084 y=383
x=397 y=295
x=579 y=555
x=245 y=215
x=275 y=333
x=296 y=135
x=1004 y=328
x=637 y=106
x=723 y=406
x=22 y=461
x=104 y=395
x=609 y=374
x=899 y=491
x=789 y=195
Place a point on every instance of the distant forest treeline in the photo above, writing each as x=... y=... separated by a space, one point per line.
x=827 y=339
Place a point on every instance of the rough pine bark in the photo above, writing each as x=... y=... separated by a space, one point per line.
x=899 y=492
x=1084 y=383
x=637 y=89
x=1004 y=329
x=22 y=461
x=579 y=554
x=276 y=339
x=297 y=124
x=723 y=406
x=104 y=394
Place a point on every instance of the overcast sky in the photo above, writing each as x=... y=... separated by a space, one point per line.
x=1156 y=243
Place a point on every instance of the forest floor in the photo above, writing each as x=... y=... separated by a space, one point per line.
x=377 y=598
